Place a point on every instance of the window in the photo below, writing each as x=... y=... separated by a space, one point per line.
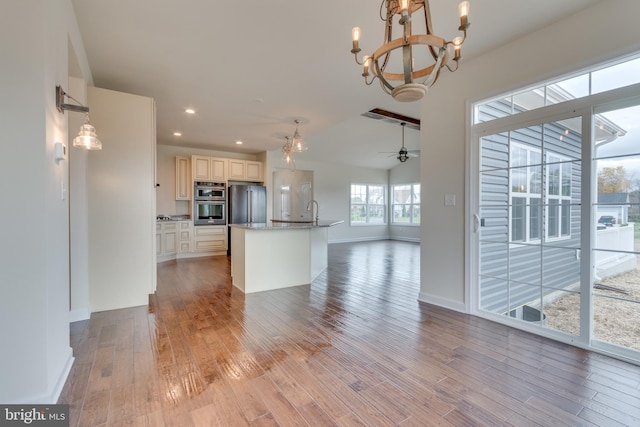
x=368 y=205
x=610 y=76
x=558 y=197
x=526 y=194
x=406 y=204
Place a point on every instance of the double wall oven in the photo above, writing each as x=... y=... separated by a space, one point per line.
x=209 y=203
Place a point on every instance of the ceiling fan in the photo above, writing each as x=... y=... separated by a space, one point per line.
x=403 y=155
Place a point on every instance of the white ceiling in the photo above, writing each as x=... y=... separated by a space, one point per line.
x=250 y=68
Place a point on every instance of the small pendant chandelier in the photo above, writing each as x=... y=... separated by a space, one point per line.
x=408 y=84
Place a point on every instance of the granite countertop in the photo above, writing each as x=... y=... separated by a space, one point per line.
x=277 y=225
x=166 y=218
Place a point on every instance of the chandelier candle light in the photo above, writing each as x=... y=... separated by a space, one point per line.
x=414 y=83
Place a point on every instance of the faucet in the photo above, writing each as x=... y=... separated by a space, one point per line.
x=309 y=206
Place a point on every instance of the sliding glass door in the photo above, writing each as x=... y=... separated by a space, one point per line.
x=556 y=229
x=529 y=224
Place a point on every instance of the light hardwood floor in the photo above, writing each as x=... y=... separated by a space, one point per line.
x=355 y=348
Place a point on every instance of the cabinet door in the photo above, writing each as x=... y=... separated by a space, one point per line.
x=218 y=169
x=237 y=169
x=254 y=171
x=183 y=178
x=201 y=167
x=170 y=240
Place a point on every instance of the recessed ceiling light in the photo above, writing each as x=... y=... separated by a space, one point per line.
x=238 y=142
x=177 y=134
x=190 y=111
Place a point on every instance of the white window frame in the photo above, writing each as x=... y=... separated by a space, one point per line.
x=411 y=204
x=553 y=159
x=527 y=195
x=564 y=200
x=367 y=205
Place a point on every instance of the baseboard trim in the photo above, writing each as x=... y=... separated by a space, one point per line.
x=53 y=394
x=405 y=239
x=360 y=239
x=442 y=302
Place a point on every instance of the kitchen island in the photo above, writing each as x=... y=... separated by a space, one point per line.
x=266 y=256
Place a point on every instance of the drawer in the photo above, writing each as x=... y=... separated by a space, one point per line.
x=185 y=225
x=185 y=246
x=169 y=226
x=210 y=231
x=158 y=226
x=210 y=245
x=185 y=235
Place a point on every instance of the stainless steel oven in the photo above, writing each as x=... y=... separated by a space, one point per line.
x=207 y=190
x=209 y=212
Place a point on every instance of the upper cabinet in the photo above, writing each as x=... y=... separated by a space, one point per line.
x=245 y=170
x=183 y=178
x=208 y=168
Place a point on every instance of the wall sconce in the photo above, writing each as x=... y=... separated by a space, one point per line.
x=87 y=137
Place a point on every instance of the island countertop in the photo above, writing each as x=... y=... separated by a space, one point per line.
x=277 y=225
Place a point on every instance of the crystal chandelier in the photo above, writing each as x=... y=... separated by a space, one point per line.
x=407 y=83
x=287 y=153
x=293 y=145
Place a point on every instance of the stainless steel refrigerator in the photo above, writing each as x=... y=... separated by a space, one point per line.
x=247 y=203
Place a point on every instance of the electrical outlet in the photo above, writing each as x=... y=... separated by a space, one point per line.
x=449 y=199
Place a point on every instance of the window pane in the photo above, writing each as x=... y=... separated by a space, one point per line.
x=528 y=100
x=358 y=193
x=376 y=194
x=493 y=109
x=415 y=211
x=416 y=193
x=535 y=180
x=402 y=213
x=554 y=179
x=566 y=179
x=401 y=194
x=518 y=219
x=552 y=218
x=535 y=216
x=575 y=87
x=519 y=180
x=565 y=228
x=620 y=75
x=376 y=214
x=358 y=214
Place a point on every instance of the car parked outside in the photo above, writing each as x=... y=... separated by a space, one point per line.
x=607 y=220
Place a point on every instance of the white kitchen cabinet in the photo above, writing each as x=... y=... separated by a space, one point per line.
x=185 y=230
x=166 y=240
x=208 y=168
x=210 y=238
x=183 y=178
x=245 y=170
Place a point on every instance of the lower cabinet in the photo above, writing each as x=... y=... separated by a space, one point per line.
x=180 y=239
x=185 y=231
x=210 y=238
x=166 y=240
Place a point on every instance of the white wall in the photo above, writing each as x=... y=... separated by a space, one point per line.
x=606 y=30
x=405 y=173
x=34 y=256
x=122 y=202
